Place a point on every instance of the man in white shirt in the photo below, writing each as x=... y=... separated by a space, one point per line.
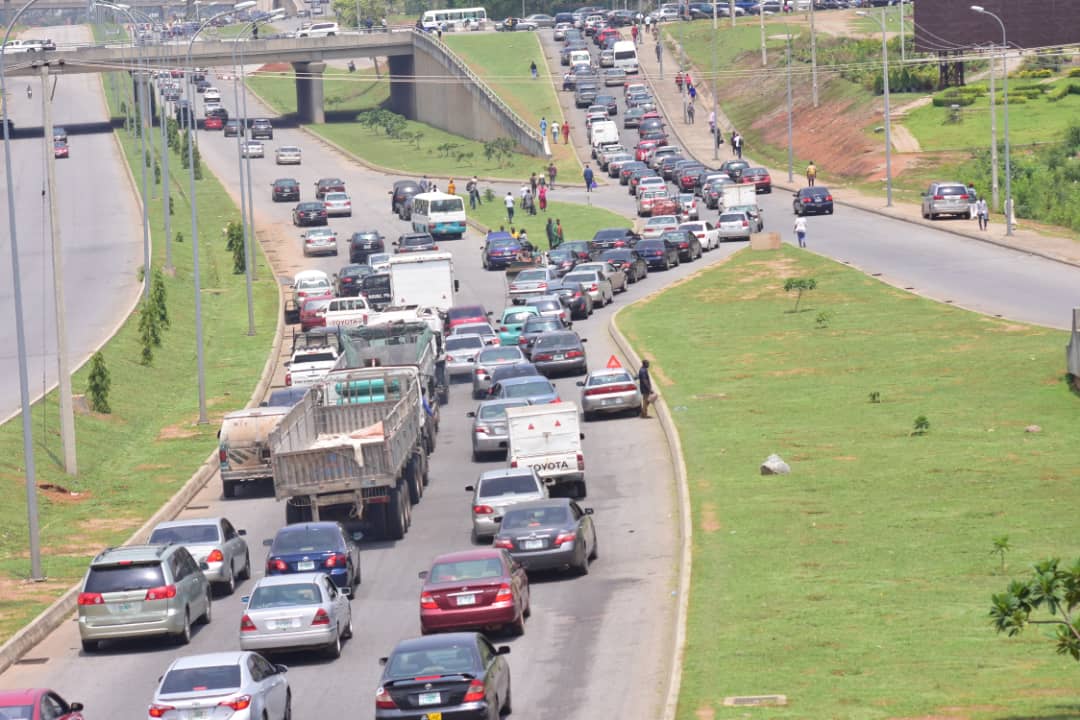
x=800 y=230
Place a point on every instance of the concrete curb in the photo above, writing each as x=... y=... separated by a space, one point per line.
x=686 y=527
x=54 y=616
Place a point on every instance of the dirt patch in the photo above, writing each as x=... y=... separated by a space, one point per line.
x=60 y=494
x=176 y=432
x=661 y=378
x=846 y=458
x=1047 y=692
x=12 y=590
x=792 y=372
x=709 y=522
x=145 y=467
x=275 y=68
x=968 y=709
x=1008 y=327
x=705 y=712
x=92 y=525
x=932 y=717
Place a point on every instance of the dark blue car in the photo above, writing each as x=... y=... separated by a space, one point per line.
x=315 y=547
x=500 y=250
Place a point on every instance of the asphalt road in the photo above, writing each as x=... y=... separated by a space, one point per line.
x=100 y=228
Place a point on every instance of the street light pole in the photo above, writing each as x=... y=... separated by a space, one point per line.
x=715 y=98
x=813 y=57
x=888 y=122
x=994 y=190
x=790 y=129
x=1005 y=99
x=761 y=17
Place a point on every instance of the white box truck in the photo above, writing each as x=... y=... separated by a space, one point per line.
x=735 y=195
x=424 y=280
x=548 y=439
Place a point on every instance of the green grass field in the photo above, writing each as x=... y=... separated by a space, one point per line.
x=349 y=94
x=134 y=459
x=580 y=222
x=859 y=585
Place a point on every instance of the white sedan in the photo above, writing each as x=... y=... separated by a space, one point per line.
x=609 y=390
x=707 y=235
x=229 y=684
x=338 y=204
x=294 y=612
x=287 y=155
x=252 y=149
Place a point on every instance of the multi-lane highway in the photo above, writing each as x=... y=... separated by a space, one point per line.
x=100 y=227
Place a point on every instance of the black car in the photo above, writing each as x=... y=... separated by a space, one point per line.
x=262 y=129
x=609 y=238
x=615 y=170
x=609 y=102
x=734 y=168
x=658 y=253
x=580 y=248
x=815 y=200
x=415 y=242
x=549 y=520
x=285 y=190
x=686 y=242
x=375 y=288
x=666 y=168
x=505 y=372
x=574 y=296
x=328 y=185
x=650 y=123
x=629 y=261
x=536 y=326
x=309 y=213
x=284 y=397
x=347 y=280
x=500 y=249
x=233 y=128
x=403 y=190
x=365 y=243
x=562 y=260
x=452 y=675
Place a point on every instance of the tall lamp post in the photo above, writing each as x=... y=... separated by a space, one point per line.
x=888 y=123
x=1005 y=97
x=188 y=72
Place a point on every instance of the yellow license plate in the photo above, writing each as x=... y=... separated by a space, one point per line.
x=433 y=716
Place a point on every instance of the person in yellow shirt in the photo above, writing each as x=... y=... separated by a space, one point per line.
x=513 y=232
x=451 y=188
x=811 y=174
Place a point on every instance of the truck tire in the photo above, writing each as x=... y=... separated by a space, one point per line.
x=579 y=490
x=394 y=522
x=296 y=513
x=414 y=477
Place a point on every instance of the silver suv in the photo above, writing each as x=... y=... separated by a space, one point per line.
x=142 y=590
x=947 y=198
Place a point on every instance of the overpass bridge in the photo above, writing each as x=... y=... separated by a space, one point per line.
x=428 y=82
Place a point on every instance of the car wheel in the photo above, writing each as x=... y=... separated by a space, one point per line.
x=507 y=706
x=209 y=614
x=588 y=416
x=667 y=264
x=230 y=583
x=90 y=646
x=348 y=628
x=582 y=567
x=228 y=488
x=245 y=574
x=830 y=211
x=287 y=715
x=595 y=553
x=476 y=455
x=333 y=650
x=184 y=636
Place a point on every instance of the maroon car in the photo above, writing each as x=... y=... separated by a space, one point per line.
x=759 y=177
x=465 y=314
x=313 y=313
x=474 y=589
x=38 y=704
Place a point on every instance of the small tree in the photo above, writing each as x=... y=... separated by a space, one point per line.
x=921 y=426
x=159 y=297
x=1050 y=588
x=198 y=163
x=149 y=333
x=98 y=384
x=157 y=172
x=234 y=243
x=1001 y=546
x=800 y=285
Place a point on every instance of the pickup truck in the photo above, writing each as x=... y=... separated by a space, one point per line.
x=309 y=365
x=548 y=439
x=347 y=312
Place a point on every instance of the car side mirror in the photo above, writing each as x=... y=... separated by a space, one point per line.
x=245 y=599
x=76 y=707
x=470 y=488
x=282 y=669
x=268 y=542
x=503 y=650
x=470 y=414
x=347 y=592
x=203 y=565
x=581 y=436
x=457 y=286
x=241 y=532
x=422 y=574
x=580 y=383
x=288 y=363
x=264 y=403
x=383 y=660
x=497 y=518
x=584 y=340
x=588 y=511
x=357 y=536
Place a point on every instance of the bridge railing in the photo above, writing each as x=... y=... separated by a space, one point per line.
x=459 y=64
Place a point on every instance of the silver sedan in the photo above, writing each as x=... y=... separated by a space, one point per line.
x=287 y=155
x=496 y=490
x=487 y=360
x=612 y=274
x=252 y=149
x=461 y=352
x=294 y=612
x=733 y=226
x=609 y=391
x=490 y=433
x=598 y=287
x=338 y=204
x=213 y=540
x=238 y=684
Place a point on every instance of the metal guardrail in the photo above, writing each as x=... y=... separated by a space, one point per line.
x=464 y=69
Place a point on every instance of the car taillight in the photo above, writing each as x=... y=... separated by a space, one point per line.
x=575 y=354
x=89 y=598
x=594 y=288
x=321 y=618
x=161 y=593
x=449 y=358
x=483 y=510
x=829 y=198
x=337 y=560
x=246 y=625
x=427 y=602
x=806 y=199
x=565 y=538
x=223 y=455
x=542 y=357
x=276 y=565
x=157 y=711
x=513 y=463
x=242 y=702
x=288 y=379
x=215 y=556
x=309 y=240
x=745 y=223
x=475 y=692
x=383 y=700
x=503 y=543
x=504 y=597
x=939 y=197
x=522 y=340
x=580 y=462
x=482 y=430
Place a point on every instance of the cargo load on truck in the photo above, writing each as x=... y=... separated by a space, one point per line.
x=244 y=446
x=548 y=439
x=413 y=343
x=734 y=195
x=352 y=451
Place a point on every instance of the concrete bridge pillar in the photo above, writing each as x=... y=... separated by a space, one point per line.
x=309 y=91
x=402 y=85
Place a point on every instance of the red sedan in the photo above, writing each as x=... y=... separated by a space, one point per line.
x=313 y=313
x=38 y=704
x=214 y=122
x=482 y=588
x=60 y=149
x=641 y=150
x=759 y=177
x=464 y=315
x=665 y=206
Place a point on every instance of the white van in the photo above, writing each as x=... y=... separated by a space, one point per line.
x=580 y=56
x=321 y=29
x=603 y=131
x=438 y=214
x=626 y=56
x=347 y=312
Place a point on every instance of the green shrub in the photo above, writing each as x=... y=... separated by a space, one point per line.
x=1040 y=73
x=1062 y=90
x=1075 y=72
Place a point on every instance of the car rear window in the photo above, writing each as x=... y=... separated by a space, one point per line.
x=612 y=379
x=589 y=277
x=497 y=410
x=546 y=305
x=473 y=329
x=531 y=275
x=519 y=519
x=272 y=596
x=542 y=324
x=518 y=316
x=461 y=312
x=466 y=570
x=185 y=535
x=464 y=342
x=312 y=358
x=306 y=540
x=117 y=578
x=528 y=389
x=454 y=659
x=511 y=485
x=500 y=353
x=213 y=677
x=952 y=190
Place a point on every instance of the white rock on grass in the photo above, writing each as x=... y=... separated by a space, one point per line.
x=775 y=465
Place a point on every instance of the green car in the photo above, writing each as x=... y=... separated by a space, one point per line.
x=513 y=319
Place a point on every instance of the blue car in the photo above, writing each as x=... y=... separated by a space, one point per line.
x=537 y=389
x=316 y=547
x=500 y=250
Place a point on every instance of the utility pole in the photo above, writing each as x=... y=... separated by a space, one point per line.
x=764 y=57
x=813 y=56
x=790 y=133
x=140 y=84
x=731 y=11
x=995 y=196
x=67 y=411
x=903 y=57
x=715 y=99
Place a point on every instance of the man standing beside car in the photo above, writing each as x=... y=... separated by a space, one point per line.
x=645 y=385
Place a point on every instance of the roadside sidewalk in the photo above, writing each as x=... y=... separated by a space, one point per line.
x=697 y=142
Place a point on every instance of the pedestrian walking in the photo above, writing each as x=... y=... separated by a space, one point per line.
x=451 y=188
x=543 y=126
x=470 y=188
x=983 y=212
x=476 y=190
x=554 y=133
x=425 y=184
x=532 y=69
x=693 y=93
x=558 y=233
x=549 y=230
x=690 y=113
x=588 y=176
x=712 y=122
x=634 y=34
x=523 y=194
x=800 y=230
x=811 y=174
x=542 y=194
x=645 y=385
x=736 y=143
x=509 y=202
x=552 y=172
x=565 y=134
x=659 y=50
x=973 y=200
x=532 y=182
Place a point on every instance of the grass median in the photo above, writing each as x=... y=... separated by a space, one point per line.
x=859 y=585
x=580 y=222
x=132 y=460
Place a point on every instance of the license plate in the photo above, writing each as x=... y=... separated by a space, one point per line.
x=433 y=716
x=532 y=544
x=429 y=699
x=466 y=600
x=612 y=401
x=305 y=565
x=198 y=713
x=559 y=356
x=121 y=608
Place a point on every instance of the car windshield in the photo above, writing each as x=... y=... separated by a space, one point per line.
x=732 y=217
x=520 y=519
x=507 y=485
x=289 y=149
x=213 y=677
x=185 y=535
x=306 y=540
x=117 y=578
x=453 y=659
x=556 y=340
x=336 y=196
x=474 y=329
x=497 y=411
x=465 y=342
x=499 y=353
x=465 y=312
x=518 y=316
x=17 y=712
x=542 y=324
x=466 y=570
x=271 y=596
x=527 y=389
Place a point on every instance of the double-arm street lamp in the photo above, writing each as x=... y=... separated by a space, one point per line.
x=1005 y=94
x=888 y=122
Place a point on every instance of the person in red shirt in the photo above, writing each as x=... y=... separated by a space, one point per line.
x=565 y=132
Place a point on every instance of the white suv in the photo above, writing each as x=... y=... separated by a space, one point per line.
x=323 y=29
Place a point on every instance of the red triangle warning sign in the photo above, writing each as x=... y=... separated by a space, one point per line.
x=558 y=424
x=613 y=363
x=531 y=426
